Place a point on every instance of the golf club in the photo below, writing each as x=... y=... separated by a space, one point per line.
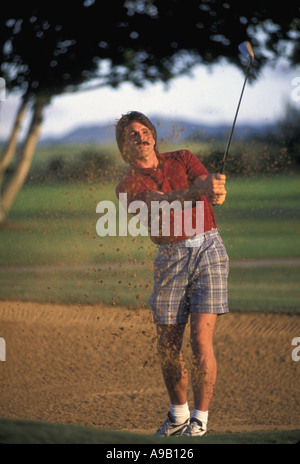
x=246 y=49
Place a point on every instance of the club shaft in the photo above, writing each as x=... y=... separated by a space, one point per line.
x=235 y=118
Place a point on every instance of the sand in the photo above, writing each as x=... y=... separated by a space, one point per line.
x=97 y=366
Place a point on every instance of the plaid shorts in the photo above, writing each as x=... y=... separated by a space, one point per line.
x=189 y=278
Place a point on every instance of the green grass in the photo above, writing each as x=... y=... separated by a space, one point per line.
x=260 y=218
x=28 y=432
x=265 y=289
x=55 y=224
x=111 y=286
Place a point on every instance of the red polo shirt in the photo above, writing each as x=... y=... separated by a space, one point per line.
x=176 y=170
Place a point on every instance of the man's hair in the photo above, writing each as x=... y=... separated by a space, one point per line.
x=121 y=128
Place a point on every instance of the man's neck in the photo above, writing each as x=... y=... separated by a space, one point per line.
x=151 y=162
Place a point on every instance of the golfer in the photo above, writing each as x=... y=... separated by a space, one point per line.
x=190 y=272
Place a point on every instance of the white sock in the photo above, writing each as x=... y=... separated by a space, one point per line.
x=201 y=416
x=180 y=412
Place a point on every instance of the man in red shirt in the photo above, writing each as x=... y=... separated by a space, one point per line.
x=190 y=270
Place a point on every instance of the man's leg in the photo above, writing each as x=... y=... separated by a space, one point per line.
x=174 y=372
x=170 y=338
x=204 y=370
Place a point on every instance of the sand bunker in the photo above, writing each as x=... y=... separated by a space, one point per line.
x=97 y=366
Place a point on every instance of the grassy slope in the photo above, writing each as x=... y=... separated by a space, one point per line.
x=27 y=432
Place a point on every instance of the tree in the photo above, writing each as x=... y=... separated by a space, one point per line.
x=48 y=48
x=44 y=53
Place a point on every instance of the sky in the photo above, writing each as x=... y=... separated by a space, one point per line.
x=208 y=96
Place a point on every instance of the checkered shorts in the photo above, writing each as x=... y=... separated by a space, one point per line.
x=189 y=278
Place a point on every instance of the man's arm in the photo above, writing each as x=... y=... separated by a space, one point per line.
x=211 y=186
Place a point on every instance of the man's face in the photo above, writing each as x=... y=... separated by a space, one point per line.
x=139 y=142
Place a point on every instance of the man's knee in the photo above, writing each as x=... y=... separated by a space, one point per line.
x=169 y=344
x=202 y=329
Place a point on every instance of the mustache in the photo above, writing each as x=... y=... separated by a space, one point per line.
x=143 y=143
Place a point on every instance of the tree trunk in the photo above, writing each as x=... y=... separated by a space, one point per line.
x=10 y=147
x=23 y=166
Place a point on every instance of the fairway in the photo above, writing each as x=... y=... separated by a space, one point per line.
x=52 y=249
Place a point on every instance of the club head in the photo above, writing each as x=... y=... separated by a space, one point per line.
x=246 y=49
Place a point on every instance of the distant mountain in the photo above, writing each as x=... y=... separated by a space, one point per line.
x=167 y=129
x=94 y=134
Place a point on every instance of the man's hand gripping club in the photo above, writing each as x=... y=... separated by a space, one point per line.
x=213 y=187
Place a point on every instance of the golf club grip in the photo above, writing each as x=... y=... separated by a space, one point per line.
x=222 y=167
